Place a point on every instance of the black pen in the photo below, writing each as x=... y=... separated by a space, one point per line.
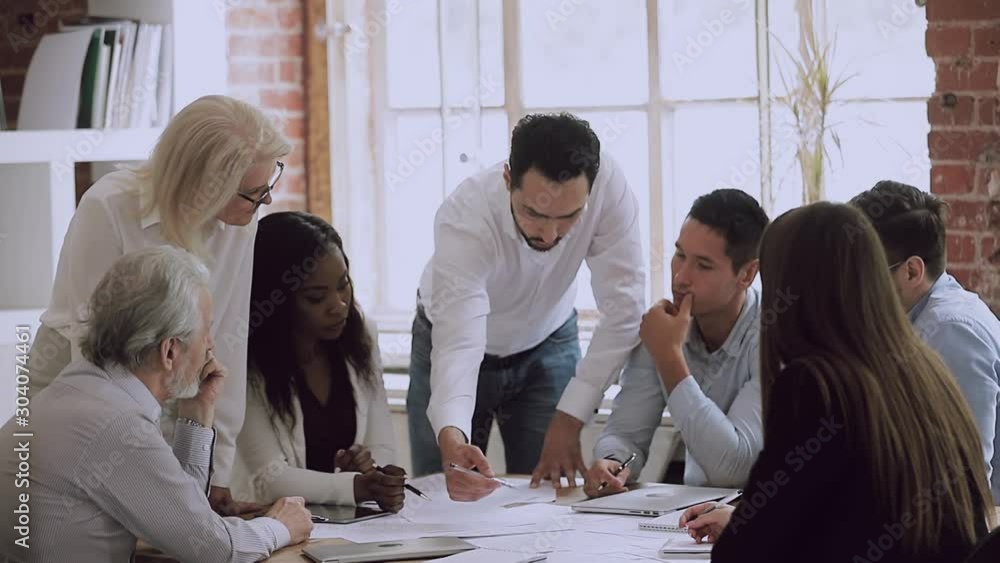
x=408 y=486
x=621 y=468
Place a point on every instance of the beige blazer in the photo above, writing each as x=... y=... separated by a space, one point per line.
x=271 y=463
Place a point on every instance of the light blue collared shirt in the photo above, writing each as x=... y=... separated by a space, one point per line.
x=102 y=475
x=717 y=410
x=960 y=327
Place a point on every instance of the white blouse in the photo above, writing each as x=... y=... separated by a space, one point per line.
x=107 y=224
x=272 y=456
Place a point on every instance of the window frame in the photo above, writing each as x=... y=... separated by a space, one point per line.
x=394 y=324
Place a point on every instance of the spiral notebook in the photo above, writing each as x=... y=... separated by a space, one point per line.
x=683 y=547
x=667 y=523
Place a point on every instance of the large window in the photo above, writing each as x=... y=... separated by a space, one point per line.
x=686 y=94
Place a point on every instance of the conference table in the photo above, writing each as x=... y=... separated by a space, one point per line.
x=146 y=554
x=293 y=553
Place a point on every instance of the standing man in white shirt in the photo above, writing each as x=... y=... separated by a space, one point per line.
x=495 y=335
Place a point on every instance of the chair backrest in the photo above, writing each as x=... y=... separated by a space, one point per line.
x=988 y=550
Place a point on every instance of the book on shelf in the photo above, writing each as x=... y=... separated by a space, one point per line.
x=124 y=71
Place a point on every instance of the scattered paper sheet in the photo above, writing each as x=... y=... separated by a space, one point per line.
x=510 y=524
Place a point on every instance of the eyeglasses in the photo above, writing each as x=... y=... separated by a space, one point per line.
x=269 y=186
x=896 y=265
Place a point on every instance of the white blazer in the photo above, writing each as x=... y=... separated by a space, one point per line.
x=271 y=459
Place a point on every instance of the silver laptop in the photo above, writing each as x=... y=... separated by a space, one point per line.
x=652 y=501
x=423 y=548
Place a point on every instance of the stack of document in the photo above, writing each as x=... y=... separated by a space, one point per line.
x=99 y=73
x=521 y=525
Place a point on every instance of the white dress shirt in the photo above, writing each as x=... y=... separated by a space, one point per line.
x=107 y=224
x=271 y=456
x=102 y=475
x=487 y=292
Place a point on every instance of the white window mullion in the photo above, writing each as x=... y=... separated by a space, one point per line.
x=513 y=99
x=381 y=118
x=764 y=107
x=443 y=85
x=656 y=249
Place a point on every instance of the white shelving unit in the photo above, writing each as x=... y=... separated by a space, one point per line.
x=37 y=183
x=76 y=145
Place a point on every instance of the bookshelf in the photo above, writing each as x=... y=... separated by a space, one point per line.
x=37 y=183
x=76 y=145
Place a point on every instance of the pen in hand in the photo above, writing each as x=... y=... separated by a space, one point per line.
x=408 y=486
x=722 y=502
x=618 y=472
x=460 y=469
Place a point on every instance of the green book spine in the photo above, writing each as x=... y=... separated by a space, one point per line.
x=88 y=81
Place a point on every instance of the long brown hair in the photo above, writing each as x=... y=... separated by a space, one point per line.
x=847 y=326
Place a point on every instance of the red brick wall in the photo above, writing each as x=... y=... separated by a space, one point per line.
x=265 y=66
x=266 y=55
x=963 y=38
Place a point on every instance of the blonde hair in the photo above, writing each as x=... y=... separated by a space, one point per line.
x=199 y=163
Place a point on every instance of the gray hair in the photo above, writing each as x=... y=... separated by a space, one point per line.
x=145 y=298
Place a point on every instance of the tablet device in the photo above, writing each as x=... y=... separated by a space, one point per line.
x=423 y=548
x=339 y=514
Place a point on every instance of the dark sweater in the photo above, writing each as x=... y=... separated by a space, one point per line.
x=810 y=497
x=332 y=426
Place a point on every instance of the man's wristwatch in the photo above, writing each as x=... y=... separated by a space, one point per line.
x=190 y=422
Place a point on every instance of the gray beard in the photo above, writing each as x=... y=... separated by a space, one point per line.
x=183 y=392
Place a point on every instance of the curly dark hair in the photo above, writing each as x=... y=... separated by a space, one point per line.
x=560 y=146
x=286 y=242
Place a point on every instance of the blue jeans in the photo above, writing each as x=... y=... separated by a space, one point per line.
x=519 y=391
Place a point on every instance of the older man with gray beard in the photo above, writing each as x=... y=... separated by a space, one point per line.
x=100 y=473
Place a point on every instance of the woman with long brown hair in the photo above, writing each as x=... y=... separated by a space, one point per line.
x=870 y=451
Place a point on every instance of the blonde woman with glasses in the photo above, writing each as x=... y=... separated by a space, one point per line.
x=215 y=164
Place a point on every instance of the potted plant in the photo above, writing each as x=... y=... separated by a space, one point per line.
x=810 y=88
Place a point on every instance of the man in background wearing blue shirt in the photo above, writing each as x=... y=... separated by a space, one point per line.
x=956 y=323
x=699 y=356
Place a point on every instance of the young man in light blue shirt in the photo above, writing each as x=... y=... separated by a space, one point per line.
x=956 y=323
x=699 y=356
